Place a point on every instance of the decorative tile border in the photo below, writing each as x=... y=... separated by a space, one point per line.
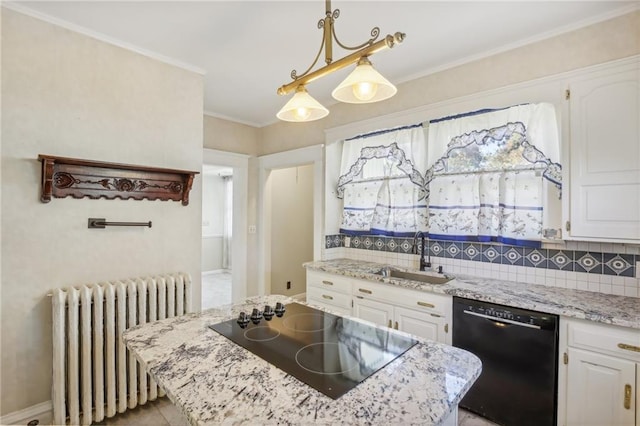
x=623 y=265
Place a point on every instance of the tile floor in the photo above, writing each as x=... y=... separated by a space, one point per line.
x=216 y=289
x=162 y=412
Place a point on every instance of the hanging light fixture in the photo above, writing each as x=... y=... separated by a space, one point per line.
x=302 y=107
x=363 y=85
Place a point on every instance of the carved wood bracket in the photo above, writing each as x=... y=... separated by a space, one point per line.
x=63 y=177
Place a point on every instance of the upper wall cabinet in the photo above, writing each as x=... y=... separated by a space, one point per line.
x=605 y=156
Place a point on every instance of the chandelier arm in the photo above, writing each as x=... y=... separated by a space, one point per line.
x=294 y=74
x=375 y=32
x=386 y=43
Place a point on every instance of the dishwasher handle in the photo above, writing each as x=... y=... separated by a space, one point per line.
x=503 y=320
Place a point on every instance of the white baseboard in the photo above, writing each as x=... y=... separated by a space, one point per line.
x=216 y=271
x=43 y=412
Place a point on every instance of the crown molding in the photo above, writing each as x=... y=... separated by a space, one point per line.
x=527 y=41
x=227 y=118
x=25 y=10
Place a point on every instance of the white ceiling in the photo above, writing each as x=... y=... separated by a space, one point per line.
x=248 y=48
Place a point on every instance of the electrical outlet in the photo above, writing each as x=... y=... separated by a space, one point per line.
x=288 y=285
x=347 y=241
x=252 y=229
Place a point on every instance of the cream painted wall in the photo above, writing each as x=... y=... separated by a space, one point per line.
x=225 y=135
x=291 y=227
x=70 y=95
x=613 y=39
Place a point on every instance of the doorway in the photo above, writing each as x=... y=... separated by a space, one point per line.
x=217 y=235
x=269 y=166
x=224 y=228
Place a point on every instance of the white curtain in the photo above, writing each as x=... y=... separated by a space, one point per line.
x=505 y=207
x=489 y=171
x=382 y=182
x=227 y=227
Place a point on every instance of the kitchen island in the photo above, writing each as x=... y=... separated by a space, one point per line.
x=214 y=381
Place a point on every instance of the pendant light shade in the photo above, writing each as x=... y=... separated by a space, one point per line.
x=364 y=85
x=302 y=107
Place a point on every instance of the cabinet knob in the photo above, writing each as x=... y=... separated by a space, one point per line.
x=364 y=290
x=327 y=283
x=627 y=396
x=390 y=324
x=426 y=305
x=325 y=296
x=396 y=327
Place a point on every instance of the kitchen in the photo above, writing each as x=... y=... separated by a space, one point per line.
x=48 y=246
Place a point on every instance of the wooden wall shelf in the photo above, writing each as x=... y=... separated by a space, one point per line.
x=63 y=177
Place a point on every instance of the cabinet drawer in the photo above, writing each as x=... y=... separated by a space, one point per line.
x=331 y=308
x=618 y=341
x=421 y=301
x=329 y=297
x=329 y=282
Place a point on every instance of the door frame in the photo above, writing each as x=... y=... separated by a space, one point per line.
x=240 y=165
x=266 y=163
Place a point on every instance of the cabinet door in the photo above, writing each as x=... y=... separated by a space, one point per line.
x=371 y=310
x=596 y=390
x=428 y=326
x=605 y=156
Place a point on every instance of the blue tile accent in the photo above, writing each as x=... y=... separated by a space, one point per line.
x=616 y=264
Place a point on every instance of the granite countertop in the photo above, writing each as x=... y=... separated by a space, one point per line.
x=599 y=307
x=215 y=381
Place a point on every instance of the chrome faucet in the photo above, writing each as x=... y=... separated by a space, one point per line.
x=425 y=263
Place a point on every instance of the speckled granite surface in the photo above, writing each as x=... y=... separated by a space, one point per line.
x=604 y=308
x=215 y=381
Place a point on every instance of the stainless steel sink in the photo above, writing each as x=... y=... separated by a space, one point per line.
x=414 y=276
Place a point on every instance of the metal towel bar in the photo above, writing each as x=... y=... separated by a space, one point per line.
x=101 y=223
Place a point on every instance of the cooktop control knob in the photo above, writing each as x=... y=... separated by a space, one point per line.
x=268 y=312
x=243 y=319
x=256 y=316
x=279 y=309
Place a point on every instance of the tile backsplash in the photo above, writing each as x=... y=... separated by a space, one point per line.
x=604 y=268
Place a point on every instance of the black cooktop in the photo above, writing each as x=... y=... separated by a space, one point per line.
x=329 y=353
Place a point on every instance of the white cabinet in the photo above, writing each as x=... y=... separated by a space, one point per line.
x=597 y=389
x=604 y=157
x=599 y=375
x=422 y=314
x=426 y=325
x=371 y=310
x=332 y=292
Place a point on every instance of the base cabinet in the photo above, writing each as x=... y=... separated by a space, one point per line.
x=599 y=384
x=371 y=310
x=426 y=325
x=419 y=313
x=422 y=314
x=328 y=291
x=600 y=390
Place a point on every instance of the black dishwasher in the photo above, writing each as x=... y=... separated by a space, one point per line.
x=519 y=354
